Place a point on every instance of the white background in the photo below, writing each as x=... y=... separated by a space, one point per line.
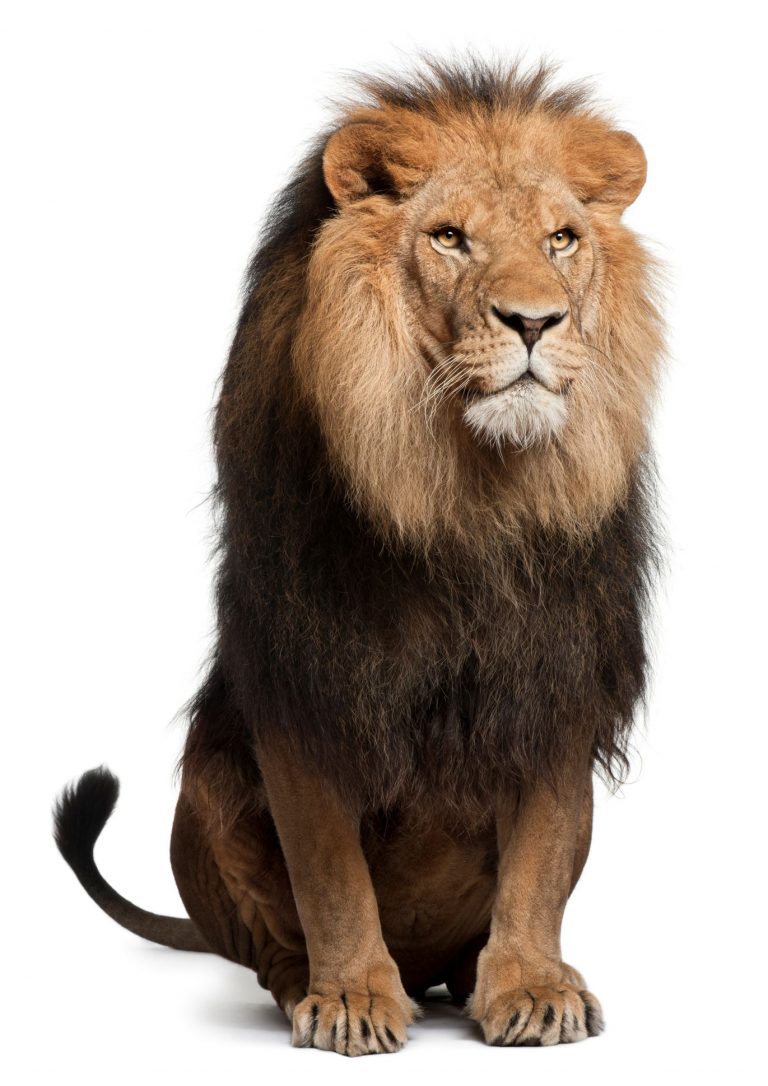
x=142 y=143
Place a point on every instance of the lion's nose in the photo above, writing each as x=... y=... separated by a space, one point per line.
x=530 y=329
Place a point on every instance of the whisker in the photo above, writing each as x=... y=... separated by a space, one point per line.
x=438 y=376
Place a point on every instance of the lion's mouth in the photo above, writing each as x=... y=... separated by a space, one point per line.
x=527 y=378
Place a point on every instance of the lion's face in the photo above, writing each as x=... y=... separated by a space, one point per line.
x=497 y=263
x=477 y=336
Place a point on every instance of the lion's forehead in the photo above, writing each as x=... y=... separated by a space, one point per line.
x=488 y=198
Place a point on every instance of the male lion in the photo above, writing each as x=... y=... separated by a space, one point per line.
x=436 y=546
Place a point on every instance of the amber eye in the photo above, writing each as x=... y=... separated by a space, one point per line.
x=449 y=237
x=562 y=240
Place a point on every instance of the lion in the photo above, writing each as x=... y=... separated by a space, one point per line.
x=437 y=547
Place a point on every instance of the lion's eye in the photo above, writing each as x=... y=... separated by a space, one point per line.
x=562 y=240
x=449 y=237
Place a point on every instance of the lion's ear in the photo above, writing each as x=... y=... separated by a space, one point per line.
x=606 y=166
x=377 y=153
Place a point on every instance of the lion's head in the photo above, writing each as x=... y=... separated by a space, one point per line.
x=477 y=336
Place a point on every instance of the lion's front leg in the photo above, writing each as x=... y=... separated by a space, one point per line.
x=356 y=1003
x=524 y=993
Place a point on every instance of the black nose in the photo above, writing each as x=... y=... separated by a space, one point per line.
x=530 y=329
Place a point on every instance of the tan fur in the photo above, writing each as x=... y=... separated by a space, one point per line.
x=353 y=978
x=385 y=314
x=524 y=992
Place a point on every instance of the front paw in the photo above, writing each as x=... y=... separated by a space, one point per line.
x=532 y=1001
x=541 y=1015
x=352 y=1023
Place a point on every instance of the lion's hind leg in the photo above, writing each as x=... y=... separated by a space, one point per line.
x=284 y=973
x=213 y=880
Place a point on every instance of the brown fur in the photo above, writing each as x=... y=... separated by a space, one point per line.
x=434 y=570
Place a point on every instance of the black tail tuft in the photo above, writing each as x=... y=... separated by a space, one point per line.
x=79 y=816
x=81 y=813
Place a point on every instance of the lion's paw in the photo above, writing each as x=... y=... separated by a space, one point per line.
x=352 y=1024
x=542 y=1016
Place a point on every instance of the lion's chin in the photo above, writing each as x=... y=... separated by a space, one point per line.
x=525 y=415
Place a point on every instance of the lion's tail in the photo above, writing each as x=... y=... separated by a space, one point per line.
x=79 y=815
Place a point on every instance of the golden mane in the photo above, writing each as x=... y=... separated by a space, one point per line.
x=420 y=474
x=328 y=321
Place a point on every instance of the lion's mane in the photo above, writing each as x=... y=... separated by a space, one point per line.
x=417 y=616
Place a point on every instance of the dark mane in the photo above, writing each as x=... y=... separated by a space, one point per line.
x=393 y=674
x=472 y=82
